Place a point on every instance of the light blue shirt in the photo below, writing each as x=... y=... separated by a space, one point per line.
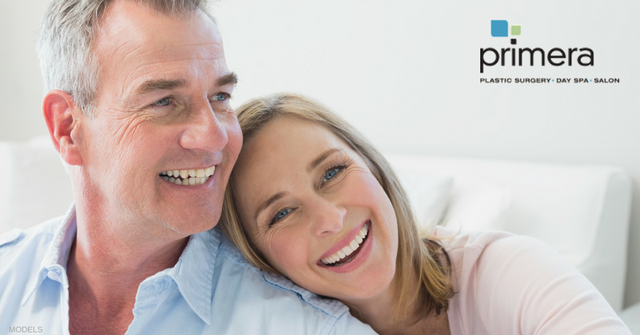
x=211 y=290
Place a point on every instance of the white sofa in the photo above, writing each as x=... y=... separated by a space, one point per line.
x=581 y=211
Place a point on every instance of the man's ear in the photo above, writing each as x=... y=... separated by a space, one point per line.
x=63 y=116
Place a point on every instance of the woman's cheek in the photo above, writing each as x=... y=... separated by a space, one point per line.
x=286 y=255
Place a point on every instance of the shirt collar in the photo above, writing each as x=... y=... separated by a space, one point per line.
x=194 y=272
x=57 y=255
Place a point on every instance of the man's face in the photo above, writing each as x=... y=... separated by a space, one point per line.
x=162 y=106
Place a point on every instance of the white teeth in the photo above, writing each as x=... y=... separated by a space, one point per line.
x=348 y=249
x=188 y=177
x=354 y=245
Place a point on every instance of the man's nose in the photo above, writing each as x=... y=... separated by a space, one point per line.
x=328 y=217
x=204 y=130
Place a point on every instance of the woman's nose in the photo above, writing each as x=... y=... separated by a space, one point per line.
x=328 y=217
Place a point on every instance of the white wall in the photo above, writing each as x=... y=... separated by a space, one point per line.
x=20 y=80
x=407 y=74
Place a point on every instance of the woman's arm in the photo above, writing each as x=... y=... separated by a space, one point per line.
x=518 y=285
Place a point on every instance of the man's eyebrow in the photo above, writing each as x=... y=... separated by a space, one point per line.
x=160 y=84
x=321 y=158
x=227 y=79
x=163 y=84
x=268 y=202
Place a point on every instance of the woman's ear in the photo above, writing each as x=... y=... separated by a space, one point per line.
x=63 y=116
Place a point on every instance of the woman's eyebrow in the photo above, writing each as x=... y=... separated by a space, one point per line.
x=321 y=158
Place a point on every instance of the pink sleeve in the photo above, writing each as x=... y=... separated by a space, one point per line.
x=517 y=285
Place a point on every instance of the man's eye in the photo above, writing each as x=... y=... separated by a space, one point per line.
x=280 y=215
x=221 y=97
x=163 y=102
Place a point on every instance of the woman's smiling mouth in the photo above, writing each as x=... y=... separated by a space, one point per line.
x=348 y=252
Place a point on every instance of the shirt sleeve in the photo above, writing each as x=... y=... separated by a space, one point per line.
x=522 y=286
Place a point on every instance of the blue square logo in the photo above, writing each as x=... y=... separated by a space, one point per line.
x=499 y=28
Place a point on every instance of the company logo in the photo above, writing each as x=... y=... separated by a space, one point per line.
x=500 y=28
x=537 y=56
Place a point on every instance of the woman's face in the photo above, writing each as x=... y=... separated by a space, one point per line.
x=306 y=200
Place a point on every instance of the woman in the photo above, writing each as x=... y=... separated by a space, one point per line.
x=312 y=200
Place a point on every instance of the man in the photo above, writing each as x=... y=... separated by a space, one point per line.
x=138 y=108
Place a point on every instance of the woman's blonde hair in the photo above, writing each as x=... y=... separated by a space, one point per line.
x=417 y=258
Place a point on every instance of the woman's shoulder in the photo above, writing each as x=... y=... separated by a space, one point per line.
x=496 y=257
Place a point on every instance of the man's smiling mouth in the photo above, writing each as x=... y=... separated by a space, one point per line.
x=188 y=177
x=346 y=254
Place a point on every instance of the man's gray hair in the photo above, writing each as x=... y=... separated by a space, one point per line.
x=66 y=38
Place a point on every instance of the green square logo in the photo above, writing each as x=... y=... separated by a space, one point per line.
x=515 y=30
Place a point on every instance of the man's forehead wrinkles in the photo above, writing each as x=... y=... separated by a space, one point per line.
x=208 y=47
x=131 y=49
x=207 y=59
x=213 y=44
x=157 y=57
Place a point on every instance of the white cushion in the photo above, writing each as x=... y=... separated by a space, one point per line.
x=477 y=204
x=428 y=192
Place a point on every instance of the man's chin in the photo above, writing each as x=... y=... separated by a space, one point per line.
x=191 y=216
x=193 y=224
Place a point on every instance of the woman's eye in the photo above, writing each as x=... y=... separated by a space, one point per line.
x=221 y=97
x=330 y=174
x=163 y=102
x=280 y=215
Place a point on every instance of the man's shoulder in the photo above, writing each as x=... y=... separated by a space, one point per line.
x=240 y=288
x=17 y=240
x=21 y=255
x=231 y=264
